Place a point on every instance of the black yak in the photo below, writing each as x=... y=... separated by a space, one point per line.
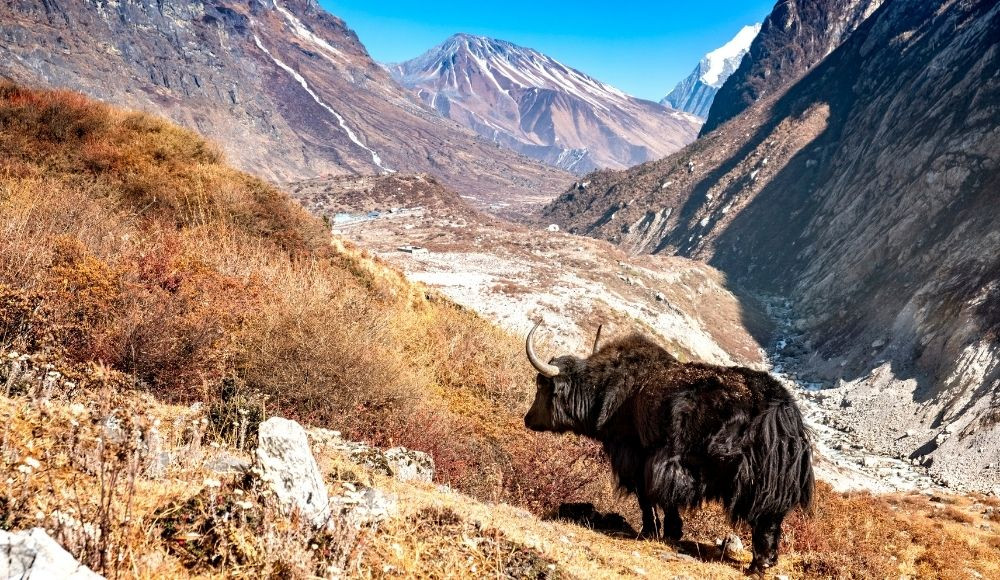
x=679 y=434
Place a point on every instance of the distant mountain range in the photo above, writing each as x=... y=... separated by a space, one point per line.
x=286 y=89
x=527 y=101
x=696 y=93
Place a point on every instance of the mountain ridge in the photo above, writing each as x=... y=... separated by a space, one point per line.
x=527 y=101
x=284 y=87
x=793 y=38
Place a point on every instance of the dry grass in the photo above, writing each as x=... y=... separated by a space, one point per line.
x=127 y=241
x=93 y=486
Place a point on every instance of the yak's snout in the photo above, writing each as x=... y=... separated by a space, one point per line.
x=539 y=416
x=535 y=420
x=532 y=422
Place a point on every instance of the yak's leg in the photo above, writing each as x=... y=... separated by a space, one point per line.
x=650 y=523
x=672 y=524
x=766 y=535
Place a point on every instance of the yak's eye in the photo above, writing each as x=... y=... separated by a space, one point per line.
x=544 y=384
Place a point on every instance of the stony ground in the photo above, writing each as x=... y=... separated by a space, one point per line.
x=855 y=422
x=515 y=275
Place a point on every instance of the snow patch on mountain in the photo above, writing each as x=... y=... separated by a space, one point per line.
x=508 y=67
x=527 y=101
x=376 y=159
x=304 y=33
x=728 y=56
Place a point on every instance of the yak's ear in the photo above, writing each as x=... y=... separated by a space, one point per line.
x=613 y=400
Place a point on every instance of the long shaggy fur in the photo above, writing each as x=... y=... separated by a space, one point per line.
x=678 y=434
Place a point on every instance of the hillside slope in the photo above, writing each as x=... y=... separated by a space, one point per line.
x=866 y=194
x=533 y=104
x=139 y=272
x=126 y=244
x=285 y=88
x=185 y=500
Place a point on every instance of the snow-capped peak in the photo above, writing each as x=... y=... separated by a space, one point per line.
x=715 y=63
x=508 y=66
x=695 y=93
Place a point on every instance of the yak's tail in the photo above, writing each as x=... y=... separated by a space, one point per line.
x=775 y=471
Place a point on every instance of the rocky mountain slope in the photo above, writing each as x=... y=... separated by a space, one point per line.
x=285 y=88
x=695 y=93
x=531 y=103
x=866 y=194
x=794 y=37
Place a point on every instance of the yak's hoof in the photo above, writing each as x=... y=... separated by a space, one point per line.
x=757 y=567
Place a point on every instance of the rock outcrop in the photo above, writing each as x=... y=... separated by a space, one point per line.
x=398 y=462
x=33 y=554
x=287 y=465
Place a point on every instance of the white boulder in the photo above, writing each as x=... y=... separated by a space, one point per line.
x=287 y=465
x=33 y=554
x=409 y=465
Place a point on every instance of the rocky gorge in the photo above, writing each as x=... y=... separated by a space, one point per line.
x=865 y=198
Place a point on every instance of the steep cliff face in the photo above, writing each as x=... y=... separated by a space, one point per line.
x=286 y=88
x=866 y=194
x=531 y=103
x=794 y=37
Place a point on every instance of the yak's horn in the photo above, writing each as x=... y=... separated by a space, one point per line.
x=543 y=368
x=597 y=339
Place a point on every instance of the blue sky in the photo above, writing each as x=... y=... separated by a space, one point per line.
x=643 y=48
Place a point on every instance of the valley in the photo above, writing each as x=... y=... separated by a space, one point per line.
x=514 y=276
x=263 y=300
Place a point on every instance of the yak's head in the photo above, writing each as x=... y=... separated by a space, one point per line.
x=561 y=402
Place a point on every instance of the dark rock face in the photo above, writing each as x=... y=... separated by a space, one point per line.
x=795 y=36
x=867 y=194
x=530 y=103
x=284 y=87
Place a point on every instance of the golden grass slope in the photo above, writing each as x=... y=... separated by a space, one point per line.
x=127 y=241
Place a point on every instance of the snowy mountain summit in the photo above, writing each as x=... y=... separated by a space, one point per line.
x=696 y=93
x=527 y=101
x=505 y=66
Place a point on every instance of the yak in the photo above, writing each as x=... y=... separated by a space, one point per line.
x=680 y=434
